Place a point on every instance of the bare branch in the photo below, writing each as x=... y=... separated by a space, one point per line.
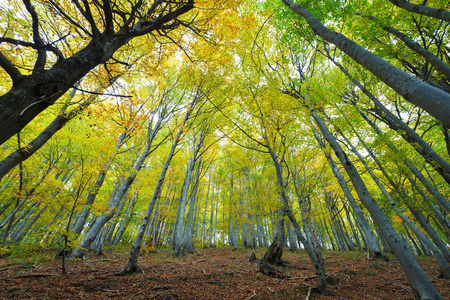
x=66 y=16
x=145 y=26
x=12 y=71
x=42 y=55
x=47 y=47
x=109 y=24
x=102 y=94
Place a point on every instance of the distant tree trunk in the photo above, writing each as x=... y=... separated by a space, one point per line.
x=337 y=237
x=354 y=232
x=86 y=242
x=132 y=265
x=431 y=232
x=179 y=243
x=443 y=264
x=214 y=235
x=211 y=222
x=259 y=230
x=291 y=238
x=275 y=251
x=18 y=237
x=204 y=237
x=125 y=220
x=21 y=198
x=192 y=204
x=81 y=249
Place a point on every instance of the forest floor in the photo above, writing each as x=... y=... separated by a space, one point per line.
x=219 y=273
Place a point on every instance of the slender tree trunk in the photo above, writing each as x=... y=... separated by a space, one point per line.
x=433 y=190
x=192 y=204
x=423 y=10
x=422 y=287
x=425 y=96
x=132 y=265
x=431 y=232
x=125 y=220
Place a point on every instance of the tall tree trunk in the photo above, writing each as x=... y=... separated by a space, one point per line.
x=132 y=265
x=423 y=10
x=443 y=264
x=425 y=96
x=313 y=252
x=125 y=220
x=179 y=243
x=373 y=245
x=192 y=204
x=433 y=190
x=422 y=287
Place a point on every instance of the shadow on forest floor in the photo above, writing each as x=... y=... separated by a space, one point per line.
x=207 y=274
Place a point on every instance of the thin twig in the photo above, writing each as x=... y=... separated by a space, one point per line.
x=254 y=294
x=309 y=293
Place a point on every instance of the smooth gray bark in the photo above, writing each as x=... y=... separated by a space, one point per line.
x=192 y=204
x=371 y=239
x=431 y=232
x=422 y=286
x=125 y=220
x=432 y=189
x=132 y=265
x=422 y=9
x=82 y=217
x=179 y=243
x=416 y=47
x=204 y=237
x=313 y=250
x=443 y=264
x=395 y=123
x=433 y=100
x=85 y=244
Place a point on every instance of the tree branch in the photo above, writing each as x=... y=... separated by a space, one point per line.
x=42 y=55
x=109 y=24
x=12 y=71
x=421 y=9
x=72 y=21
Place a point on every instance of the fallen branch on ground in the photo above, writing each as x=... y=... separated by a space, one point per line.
x=35 y=275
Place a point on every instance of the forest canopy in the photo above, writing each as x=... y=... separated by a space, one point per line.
x=184 y=124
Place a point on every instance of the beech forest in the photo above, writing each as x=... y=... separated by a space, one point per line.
x=193 y=149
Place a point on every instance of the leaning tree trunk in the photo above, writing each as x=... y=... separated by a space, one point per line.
x=433 y=100
x=132 y=265
x=444 y=268
x=82 y=217
x=124 y=221
x=373 y=245
x=433 y=190
x=423 y=10
x=422 y=286
x=314 y=254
